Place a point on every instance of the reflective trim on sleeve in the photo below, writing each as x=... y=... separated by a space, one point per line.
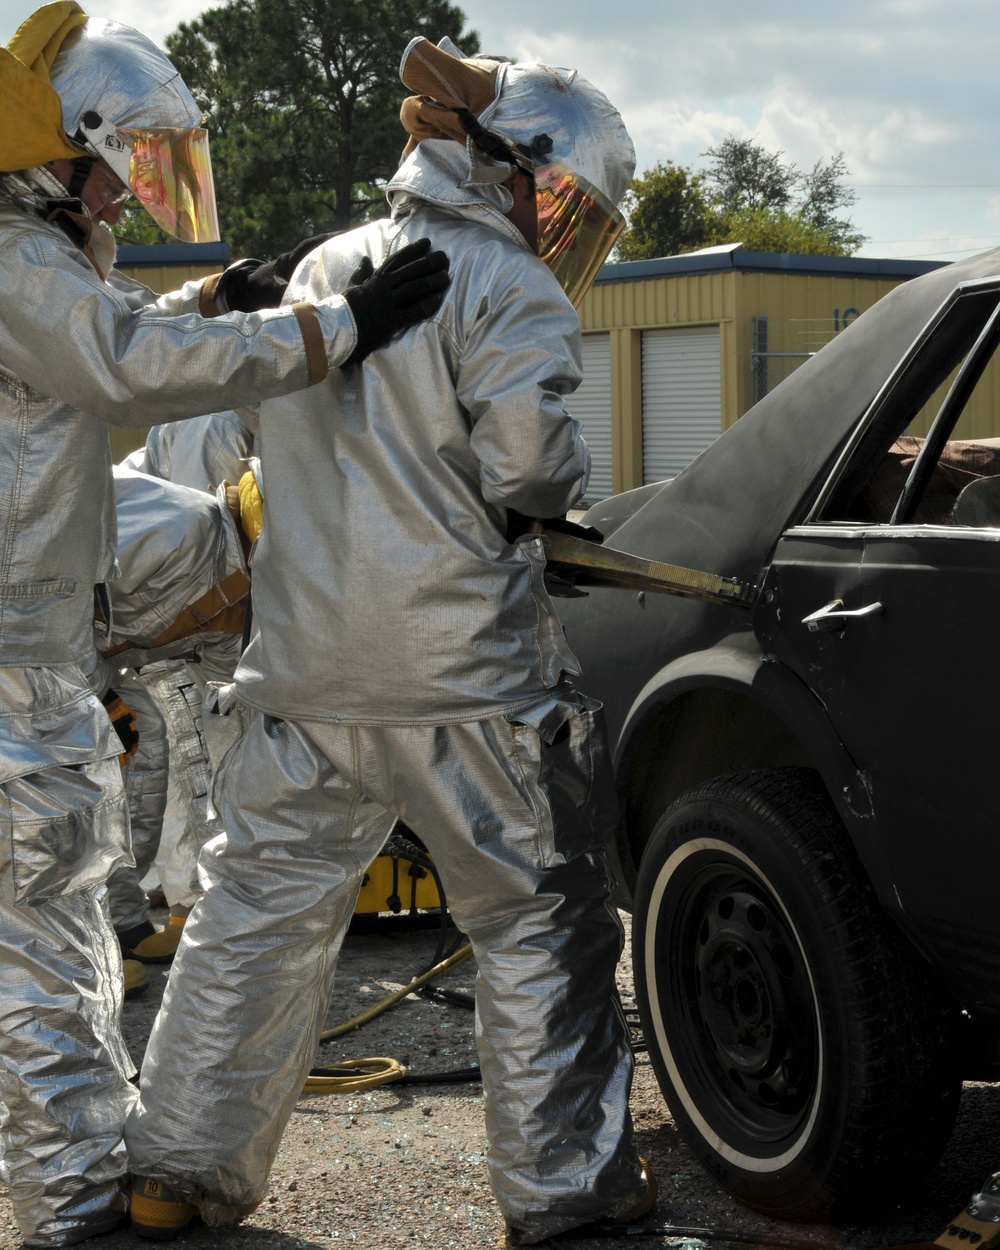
x=206 y=300
x=312 y=337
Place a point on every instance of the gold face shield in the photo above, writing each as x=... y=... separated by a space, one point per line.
x=577 y=227
x=170 y=174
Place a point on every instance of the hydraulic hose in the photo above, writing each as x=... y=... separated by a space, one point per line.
x=354 y=1074
x=341 y=1078
x=349 y=1026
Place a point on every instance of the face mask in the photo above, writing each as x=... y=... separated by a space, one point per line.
x=577 y=227
x=170 y=174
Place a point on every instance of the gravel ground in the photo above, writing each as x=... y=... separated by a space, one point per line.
x=404 y=1166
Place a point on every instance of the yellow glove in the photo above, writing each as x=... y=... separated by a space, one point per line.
x=251 y=506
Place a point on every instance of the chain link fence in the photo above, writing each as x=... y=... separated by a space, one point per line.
x=800 y=338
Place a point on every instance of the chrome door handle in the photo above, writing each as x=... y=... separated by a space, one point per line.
x=834 y=616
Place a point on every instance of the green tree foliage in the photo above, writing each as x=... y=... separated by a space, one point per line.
x=136 y=226
x=668 y=212
x=775 y=230
x=746 y=195
x=823 y=196
x=302 y=101
x=744 y=177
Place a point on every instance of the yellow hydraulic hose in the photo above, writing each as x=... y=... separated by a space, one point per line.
x=446 y=965
x=374 y=1071
x=377 y=1070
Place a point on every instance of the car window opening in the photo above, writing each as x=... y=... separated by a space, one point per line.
x=916 y=457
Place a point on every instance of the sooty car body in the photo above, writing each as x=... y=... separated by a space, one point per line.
x=811 y=821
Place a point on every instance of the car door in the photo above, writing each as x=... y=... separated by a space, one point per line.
x=885 y=601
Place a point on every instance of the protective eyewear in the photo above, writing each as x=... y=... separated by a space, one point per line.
x=108 y=187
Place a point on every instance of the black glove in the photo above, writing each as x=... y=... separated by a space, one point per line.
x=518 y=524
x=249 y=285
x=406 y=288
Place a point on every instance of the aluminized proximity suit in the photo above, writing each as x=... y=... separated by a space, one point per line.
x=175 y=545
x=202 y=454
x=406 y=661
x=79 y=350
x=92 y=112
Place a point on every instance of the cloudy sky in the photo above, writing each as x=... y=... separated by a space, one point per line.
x=908 y=90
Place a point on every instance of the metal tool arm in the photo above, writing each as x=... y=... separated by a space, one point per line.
x=582 y=562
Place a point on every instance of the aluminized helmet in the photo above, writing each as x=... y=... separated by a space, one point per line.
x=123 y=101
x=586 y=131
x=550 y=122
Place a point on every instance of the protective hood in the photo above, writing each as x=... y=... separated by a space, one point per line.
x=31 y=126
x=73 y=85
x=440 y=172
x=123 y=100
x=518 y=101
x=117 y=72
x=552 y=123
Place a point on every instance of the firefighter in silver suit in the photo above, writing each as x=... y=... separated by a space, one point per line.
x=406 y=661
x=90 y=112
x=201 y=454
x=180 y=595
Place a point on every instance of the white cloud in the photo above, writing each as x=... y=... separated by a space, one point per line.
x=874 y=145
x=663 y=130
x=155 y=18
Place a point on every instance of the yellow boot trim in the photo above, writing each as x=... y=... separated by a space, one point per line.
x=156 y=1208
x=161 y=945
x=134 y=975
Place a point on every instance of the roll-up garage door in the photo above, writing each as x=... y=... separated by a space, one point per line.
x=591 y=404
x=681 y=398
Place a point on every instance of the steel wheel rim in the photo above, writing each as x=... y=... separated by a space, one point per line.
x=746 y=1029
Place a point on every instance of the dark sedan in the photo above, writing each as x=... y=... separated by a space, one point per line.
x=810 y=834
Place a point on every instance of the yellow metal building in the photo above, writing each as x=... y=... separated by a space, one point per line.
x=677 y=349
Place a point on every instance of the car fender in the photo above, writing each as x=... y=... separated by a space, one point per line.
x=724 y=710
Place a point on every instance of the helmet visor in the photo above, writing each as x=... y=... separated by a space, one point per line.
x=171 y=175
x=577 y=227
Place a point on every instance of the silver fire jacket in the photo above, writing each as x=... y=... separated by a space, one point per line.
x=201 y=453
x=78 y=351
x=385 y=590
x=175 y=546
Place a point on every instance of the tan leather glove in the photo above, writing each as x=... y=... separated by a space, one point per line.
x=123 y=720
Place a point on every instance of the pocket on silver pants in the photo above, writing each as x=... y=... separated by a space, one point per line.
x=570 y=772
x=62 y=829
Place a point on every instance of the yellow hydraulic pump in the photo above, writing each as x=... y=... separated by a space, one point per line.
x=396 y=881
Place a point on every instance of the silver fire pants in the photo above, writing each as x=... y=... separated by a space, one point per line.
x=145 y=780
x=178 y=689
x=63 y=1065
x=517 y=827
x=172 y=759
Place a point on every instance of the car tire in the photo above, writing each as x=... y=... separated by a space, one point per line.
x=805 y=1052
